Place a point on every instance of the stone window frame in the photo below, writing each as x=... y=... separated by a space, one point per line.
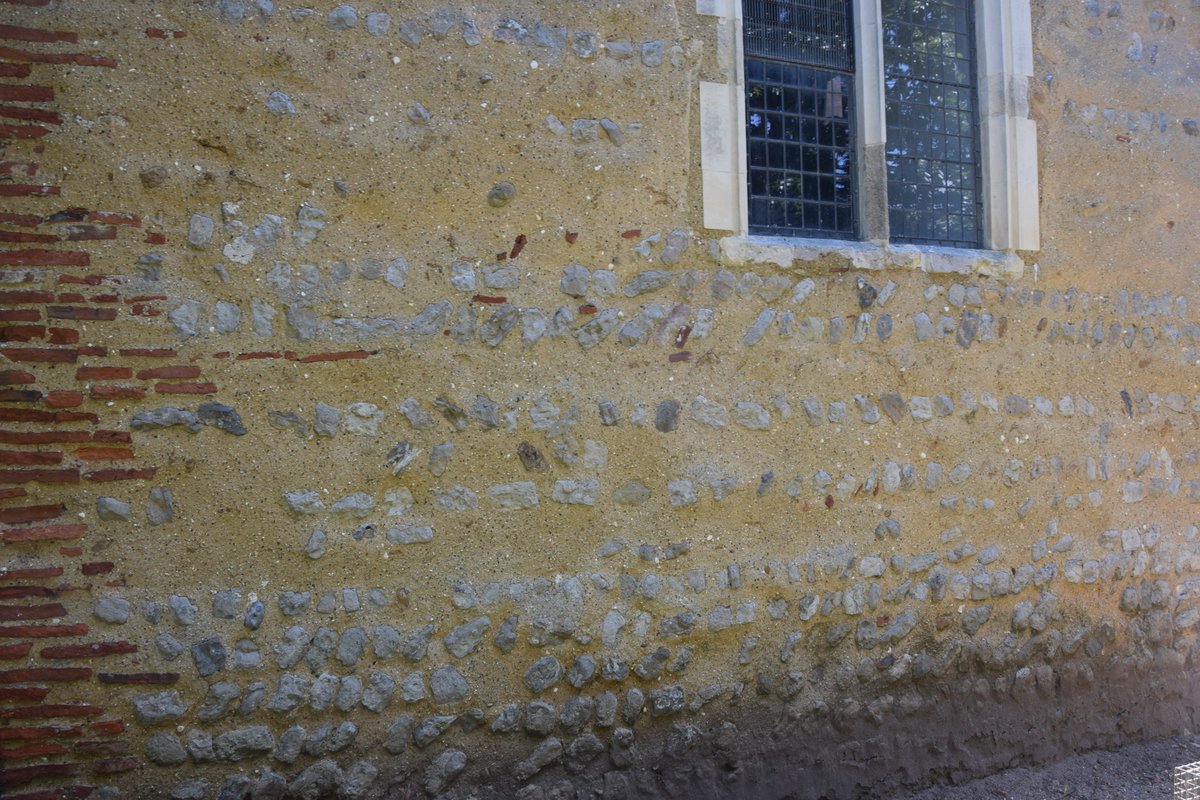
x=1008 y=150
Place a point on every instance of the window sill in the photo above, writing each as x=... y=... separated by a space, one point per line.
x=828 y=255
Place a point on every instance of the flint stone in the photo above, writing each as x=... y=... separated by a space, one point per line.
x=448 y=685
x=244 y=743
x=443 y=770
x=572 y=492
x=543 y=673
x=154 y=708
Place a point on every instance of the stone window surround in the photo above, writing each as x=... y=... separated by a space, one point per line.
x=1004 y=42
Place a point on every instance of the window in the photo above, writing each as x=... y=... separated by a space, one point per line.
x=799 y=67
x=893 y=122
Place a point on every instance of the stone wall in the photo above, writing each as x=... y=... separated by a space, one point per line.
x=379 y=420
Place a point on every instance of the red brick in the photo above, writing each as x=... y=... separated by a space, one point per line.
x=42 y=437
x=184 y=388
x=79 y=59
x=10 y=377
x=148 y=352
x=25 y=189
x=53 y=674
x=17 y=592
x=21 y=333
x=118 y=392
x=138 y=678
x=103 y=373
x=72 y=552
x=155 y=238
x=8 y=494
x=91 y=650
x=251 y=356
x=42 y=355
x=22 y=775
x=63 y=399
x=44 y=533
x=29 y=694
x=23 y=220
x=115 y=218
x=20 y=315
x=349 y=354
x=97 y=568
x=30 y=573
x=177 y=371
x=92 y=350
x=143 y=310
x=44 y=258
x=25 y=415
x=17 y=613
x=106 y=298
x=14 y=70
x=88 y=280
x=11 y=652
x=26 y=94
x=11 y=476
x=112 y=766
x=15 y=734
x=107 y=727
x=75 y=416
x=118 y=437
x=63 y=336
x=30 y=168
x=60 y=710
x=109 y=748
x=20 y=395
x=22 y=514
x=142 y=298
x=19 y=297
x=108 y=475
x=21 y=237
x=33 y=751
x=28 y=458
x=103 y=454
x=34 y=114
x=78 y=312
x=42 y=631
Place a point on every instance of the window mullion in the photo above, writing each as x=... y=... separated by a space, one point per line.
x=871 y=123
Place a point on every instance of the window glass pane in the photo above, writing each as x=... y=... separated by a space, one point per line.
x=932 y=127
x=799 y=117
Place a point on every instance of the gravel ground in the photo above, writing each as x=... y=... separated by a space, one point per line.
x=1136 y=772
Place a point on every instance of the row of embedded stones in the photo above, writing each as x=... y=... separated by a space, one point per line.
x=552 y=42
x=651 y=322
x=583 y=754
x=1145 y=600
x=367 y=419
x=1145 y=554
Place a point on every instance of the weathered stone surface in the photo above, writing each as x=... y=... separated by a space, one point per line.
x=154 y=708
x=444 y=770
x=448 y=685
x=244 y=743
x=465 y=638
x=543 y=673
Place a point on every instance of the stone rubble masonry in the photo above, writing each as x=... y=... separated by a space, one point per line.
x=627 y=506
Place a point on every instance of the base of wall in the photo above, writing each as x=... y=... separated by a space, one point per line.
x=946 y=730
